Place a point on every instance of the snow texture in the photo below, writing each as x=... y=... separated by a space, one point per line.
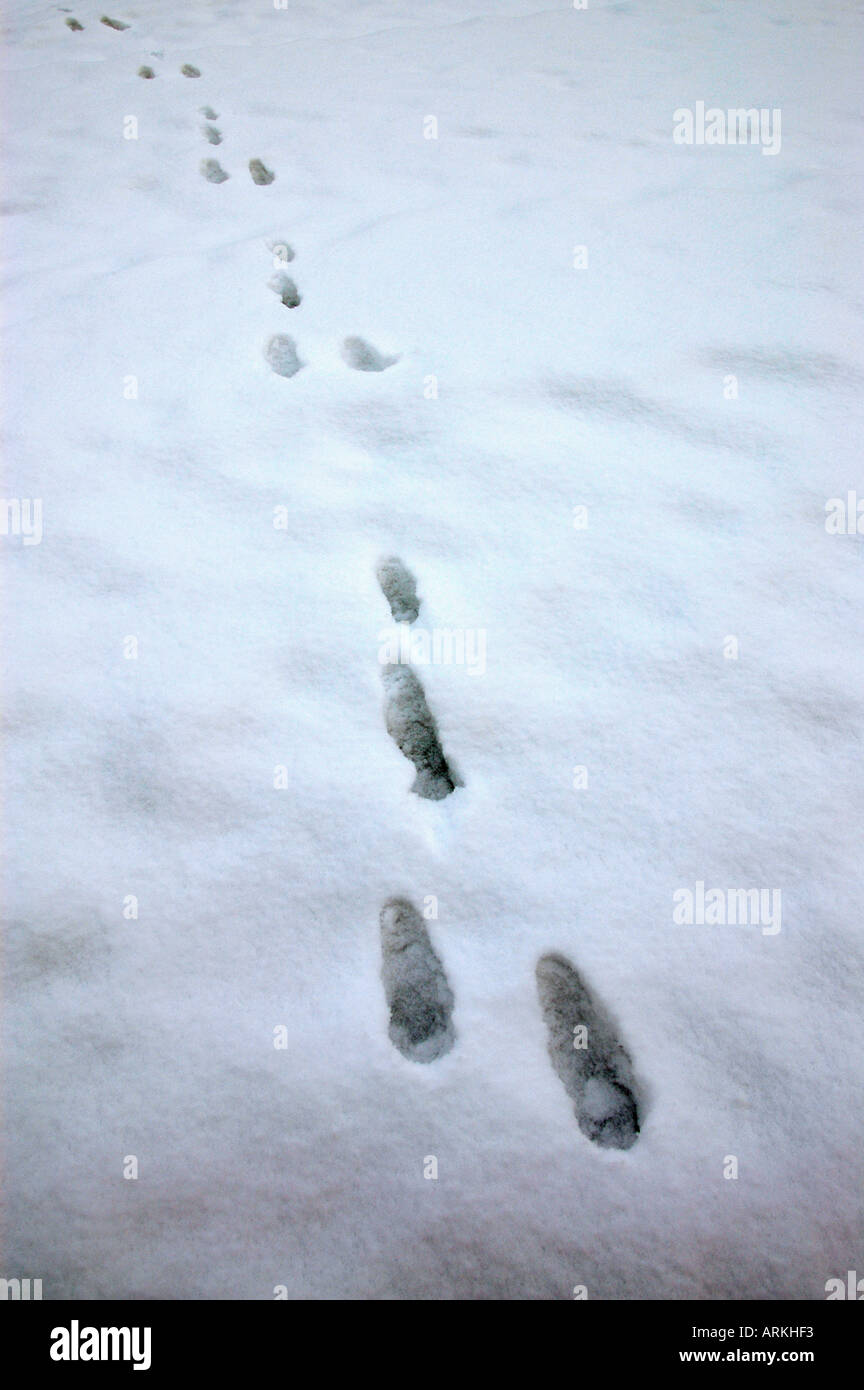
x=596 y=389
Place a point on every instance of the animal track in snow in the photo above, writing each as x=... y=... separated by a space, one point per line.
x=260 y=173
x=399 y=587
x=146 y=72
x=416 y=987
x=411 y=726
x=595 y=1069
x=213 y=171
x=281 y=353
x=113 y=23
x=211 y=134
x=287 y=291
x=189 y=71
x=363 y=357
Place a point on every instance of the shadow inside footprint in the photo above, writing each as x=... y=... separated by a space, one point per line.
x=211 y=134
x=594 y=1067
x=210 y=114
x=73 y=24
x=287 y=291
x=399 y=587
x=144 y=71
x=113 y=23
x=281 y=353
x=411 y=726
x=260 y=173
x=189 y=71
x=363 y=357
x=213 y=171
x=415 y=985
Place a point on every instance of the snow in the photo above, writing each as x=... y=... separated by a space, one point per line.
x=237 y=776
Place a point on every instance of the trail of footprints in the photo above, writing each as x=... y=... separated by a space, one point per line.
x=280 y=350
x=592 y=1064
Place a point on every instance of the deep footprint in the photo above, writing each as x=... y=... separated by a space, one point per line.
x=411 y=726
x=189 y=71
x=73 y=24
x=146 y=72
x=418 y=995
x=213 y=171
x=399 y=587
x=287 y=291
x=593 y=1066
x=363 y=357
x=211 y=134
x=281 y=353
x=113 y=23
x=260 y=173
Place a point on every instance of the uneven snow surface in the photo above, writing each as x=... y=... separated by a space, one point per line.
x=294 y=295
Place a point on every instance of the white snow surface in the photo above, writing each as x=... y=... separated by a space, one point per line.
x=557 y=387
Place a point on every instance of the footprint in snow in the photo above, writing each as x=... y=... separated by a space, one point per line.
x=399 y=587
x=73 y=24
x=189 y=71
x=210 y=114
x=213 y=171
x=282 y=252
x=281 y=353
x=584 y=1050
x=146 y=72
x=113 y=23
x=411 y=725
x=418 y=994
x=211 y=134
x=260 y=173
x=287 y=291
x=363 y=357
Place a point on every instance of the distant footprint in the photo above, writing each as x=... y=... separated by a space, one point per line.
x=260 y=173
x=210 y=114
x=213 y=171
x=363 y=357
x=282 y=252
x=287 y=291
x=146 y=72
x=281 y=353
x=189 y=71
x=416 y=987
x=211 y=134
x=73 y=24
x=113 y=23
x=598 y=1075
x=399 y=587
x=411 y=726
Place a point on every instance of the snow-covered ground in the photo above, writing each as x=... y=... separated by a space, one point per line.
x=437 y=164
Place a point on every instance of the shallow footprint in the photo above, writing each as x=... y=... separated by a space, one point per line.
x=287 y=291
x=595 y=1069
x=411 y=726
x=189 y=71
x=418 y=994
x=260 y=173
x=363 y=357
x=211 y=134
x=146 y=72
x=113 y=23
x=399 y=587
x=281 y=353
x=209 y=113
x=282 y=252
x=213 y=171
